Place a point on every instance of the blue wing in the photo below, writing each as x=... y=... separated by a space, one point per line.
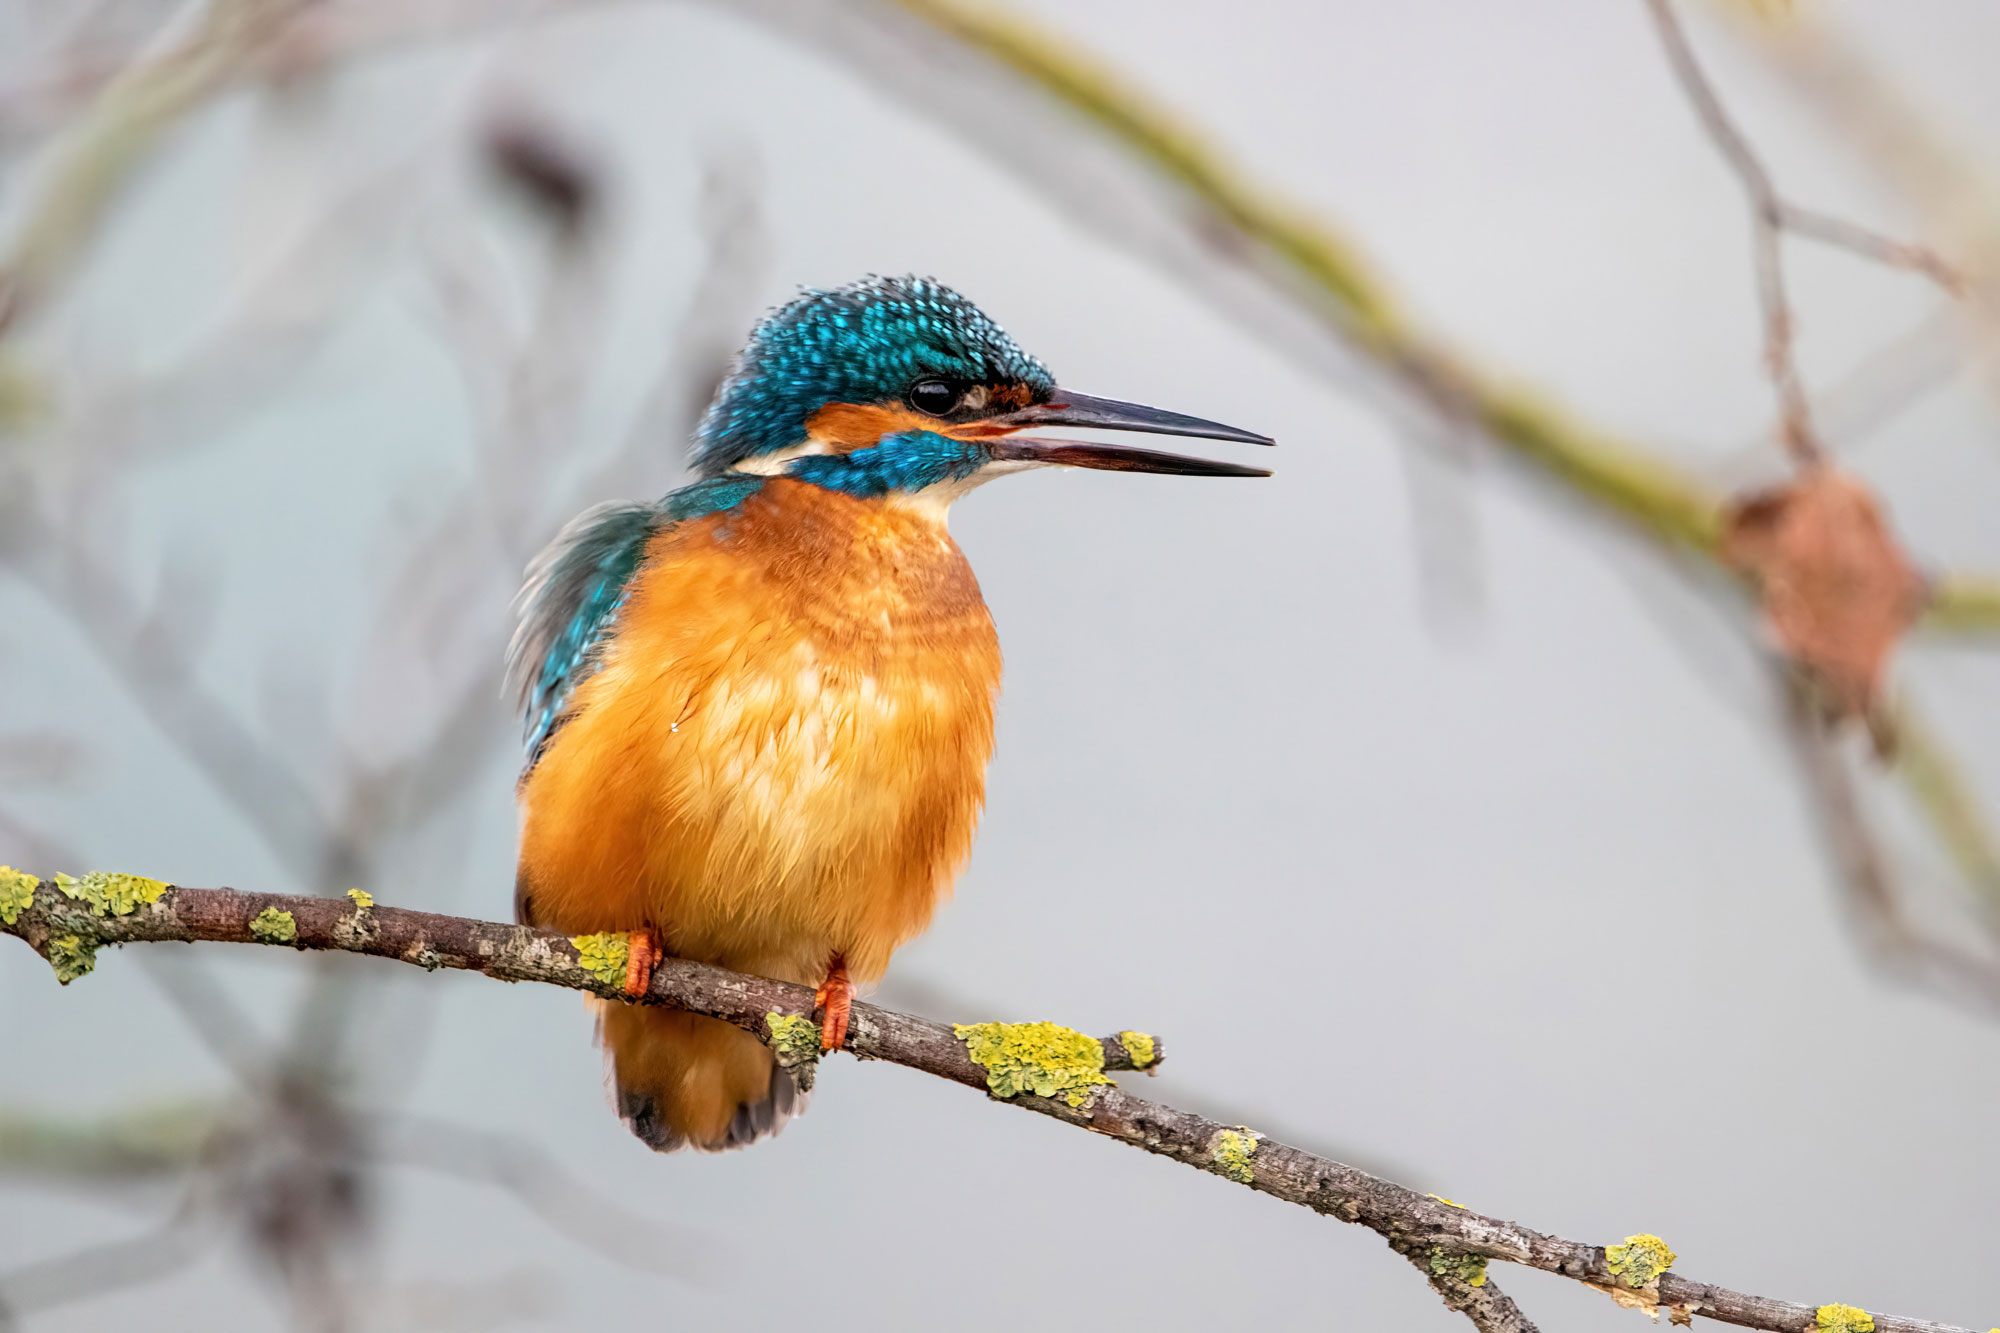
x=569 y=604
x=568 y=607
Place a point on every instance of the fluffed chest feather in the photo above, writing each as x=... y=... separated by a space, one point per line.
x=784 y=750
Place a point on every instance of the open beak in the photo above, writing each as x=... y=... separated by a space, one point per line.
x=1081 y=409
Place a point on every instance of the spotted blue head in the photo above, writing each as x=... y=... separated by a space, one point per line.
x=901 y=385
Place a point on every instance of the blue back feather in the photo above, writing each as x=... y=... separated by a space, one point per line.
x=569 y=605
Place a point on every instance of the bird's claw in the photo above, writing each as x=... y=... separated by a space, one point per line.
x=643 y=952
x=834 y=1000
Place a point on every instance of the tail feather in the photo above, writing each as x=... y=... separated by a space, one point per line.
x=684 y=1081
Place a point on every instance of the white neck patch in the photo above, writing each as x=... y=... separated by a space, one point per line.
x=935 y=501
x=774 y=463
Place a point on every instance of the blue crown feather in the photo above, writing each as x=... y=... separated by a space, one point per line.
x=863 y=343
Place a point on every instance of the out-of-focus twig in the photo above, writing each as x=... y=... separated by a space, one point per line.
x=1772 y=215
x=145 y=1140
x=1944 y=966
x=110 y=1266
x=1937 y=782
x=539 y=1182
x=130 y=114
x=1888 y=133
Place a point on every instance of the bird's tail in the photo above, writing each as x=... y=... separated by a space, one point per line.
x=684 y=1081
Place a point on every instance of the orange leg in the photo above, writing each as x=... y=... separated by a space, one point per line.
x=642 y=950
x=834 y=999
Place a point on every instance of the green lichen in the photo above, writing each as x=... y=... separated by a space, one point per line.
x=1141 y=1047
x=796 y=1043
x=71 y=956
x=110 y=894
x=274 y=927
x=1843 y=1319
x=1043 y=1058
x=1467 y=1268
x=603 y=956
x=1231 y=1150
x=363 y=900
x=1638 y=1261
x=17 y=893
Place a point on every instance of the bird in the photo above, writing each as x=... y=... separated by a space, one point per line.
x=759 y=710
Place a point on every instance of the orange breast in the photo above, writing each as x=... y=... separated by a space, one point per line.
x=784 y=754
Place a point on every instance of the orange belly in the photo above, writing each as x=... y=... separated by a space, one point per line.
x=784 y=753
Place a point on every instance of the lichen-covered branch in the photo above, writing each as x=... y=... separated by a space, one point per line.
x=68 y=920
x=1460 y=1281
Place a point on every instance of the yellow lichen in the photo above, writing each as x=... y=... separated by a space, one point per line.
x=1467 y=1268
x=110 y=894
x=71 y=956
x=1638 y=1261
x=274 y=927
x=1141 y=1047
x=795 y=1042
x=363 y=900
x=17 y=893
x=1449 y=1203
x=1843 y=1319
x=1231 y=1150
x=604 y=955
x=1043 y=1058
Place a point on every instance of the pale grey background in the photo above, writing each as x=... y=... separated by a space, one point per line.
x=1516 y=896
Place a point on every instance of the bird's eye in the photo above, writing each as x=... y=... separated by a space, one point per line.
x=935 y=397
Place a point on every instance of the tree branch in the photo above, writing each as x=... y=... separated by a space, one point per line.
x=1772 y=215
x=70 y=922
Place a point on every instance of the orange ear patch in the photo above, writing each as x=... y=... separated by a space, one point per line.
x=850 y=426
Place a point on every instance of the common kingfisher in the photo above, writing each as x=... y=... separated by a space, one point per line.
x=759 y=710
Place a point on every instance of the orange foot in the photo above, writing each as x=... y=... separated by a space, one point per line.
x=835 y=1000
x=642 y=951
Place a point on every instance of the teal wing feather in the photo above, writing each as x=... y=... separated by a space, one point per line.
x=568 y=606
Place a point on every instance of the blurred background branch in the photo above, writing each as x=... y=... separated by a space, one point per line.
x=357 y=783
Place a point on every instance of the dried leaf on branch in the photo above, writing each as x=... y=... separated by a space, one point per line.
x=1837 y=589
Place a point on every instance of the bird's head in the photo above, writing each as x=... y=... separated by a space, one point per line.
x=900 y=386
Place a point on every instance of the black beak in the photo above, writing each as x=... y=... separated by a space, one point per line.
x=1080 y=409
x=1116 y=458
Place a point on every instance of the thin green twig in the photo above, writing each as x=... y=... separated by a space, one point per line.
x=1340 y=287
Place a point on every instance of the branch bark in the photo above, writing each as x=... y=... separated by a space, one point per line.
x=64 y=923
